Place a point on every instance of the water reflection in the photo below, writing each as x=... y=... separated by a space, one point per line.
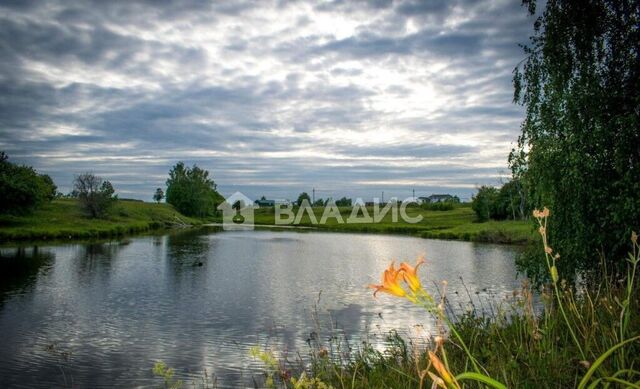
x=19 y=268
x=200 y=299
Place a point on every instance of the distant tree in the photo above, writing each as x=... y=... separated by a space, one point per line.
x=95 y=195
x=483 y=203
x=22 y=189
x=263 y=198
x=344 y=202
x=158 y=196
x=319 y=203
x=303 y=196
x=191 y=191
x=578 y=152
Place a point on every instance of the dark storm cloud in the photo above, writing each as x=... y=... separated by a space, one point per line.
x=272 y=97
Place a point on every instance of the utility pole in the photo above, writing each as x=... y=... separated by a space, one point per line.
x=313 y=201
x=414 y=195
x=382 y=197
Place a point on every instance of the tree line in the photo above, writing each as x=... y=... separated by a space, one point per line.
x=304 y=196
x=506 y=202
x=22 y=190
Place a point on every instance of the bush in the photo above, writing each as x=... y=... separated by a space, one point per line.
x=439 y=206
x=508 y=202
x=96 y=196
x=191 y=191
x=483 y=202
x=22 y=189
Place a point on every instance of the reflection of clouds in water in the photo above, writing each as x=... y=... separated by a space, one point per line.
x=120 y=308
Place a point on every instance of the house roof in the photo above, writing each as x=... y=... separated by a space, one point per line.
x=265 y=201
x=439 y=196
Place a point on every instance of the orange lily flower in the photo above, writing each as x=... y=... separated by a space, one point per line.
x=390 y=284
x=410 y=275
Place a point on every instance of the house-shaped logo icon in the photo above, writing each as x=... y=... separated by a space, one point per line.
x=237 y=212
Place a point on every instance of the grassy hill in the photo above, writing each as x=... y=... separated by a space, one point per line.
x=63 y=219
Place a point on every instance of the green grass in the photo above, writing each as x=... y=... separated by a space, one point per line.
x=459 y=223
x=63 y=219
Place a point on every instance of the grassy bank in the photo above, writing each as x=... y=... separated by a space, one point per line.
x=587 y=336
x=458 y=224
x=63 y=219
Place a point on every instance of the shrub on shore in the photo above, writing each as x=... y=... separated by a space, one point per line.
x=95 y=196
x=22 y=189
x=192 y=192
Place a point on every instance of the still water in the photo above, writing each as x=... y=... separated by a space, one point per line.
x=100 y=315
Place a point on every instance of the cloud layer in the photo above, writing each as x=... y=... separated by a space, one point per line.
x=274 y=98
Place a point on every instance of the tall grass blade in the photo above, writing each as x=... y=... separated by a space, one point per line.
x=480 y=378
x=601 y=359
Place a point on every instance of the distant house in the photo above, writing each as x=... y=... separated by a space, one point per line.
x=285 y=202
x=439 y=198
x=263 y=203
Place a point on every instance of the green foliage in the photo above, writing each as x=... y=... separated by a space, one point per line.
x=304 y=382
x=191 y=191
x=95 y=196
x=578 y=151
x=440 y=205
x=344 y=202
x=484 y=201
x=508 y=202
x=22 y=189
x=303 y=196
x=271 y=363
x=158 y=195
x=47 y=187
x=160 y=369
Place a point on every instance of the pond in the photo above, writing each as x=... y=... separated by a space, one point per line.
x=100 y=315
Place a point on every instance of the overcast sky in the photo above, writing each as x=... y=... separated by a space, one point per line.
x=273 y=98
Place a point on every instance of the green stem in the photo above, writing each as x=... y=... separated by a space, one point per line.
x=429 y=306
x=555 y=287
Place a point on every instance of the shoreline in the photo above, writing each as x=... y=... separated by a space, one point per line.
x=62 y=222
x=106 y=237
